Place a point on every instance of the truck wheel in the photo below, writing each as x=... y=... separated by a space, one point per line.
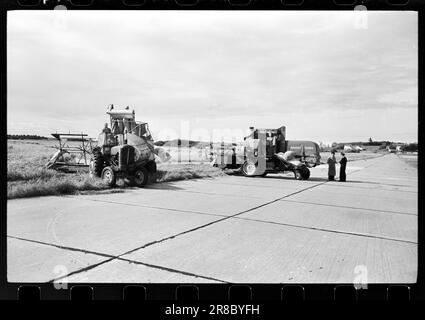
x=306 y=173
x=249 y=168
x=298 y=174
x=141 y=177
x=96 y=164
x=108 y=175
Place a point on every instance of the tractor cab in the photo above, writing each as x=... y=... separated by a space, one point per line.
x=123 y=123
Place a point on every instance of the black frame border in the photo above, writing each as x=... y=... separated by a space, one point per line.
x=265 y=294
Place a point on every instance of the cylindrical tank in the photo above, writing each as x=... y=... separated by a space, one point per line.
x=144 y=150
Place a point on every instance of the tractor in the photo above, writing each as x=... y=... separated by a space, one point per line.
x=125 y=150
x=267 y=151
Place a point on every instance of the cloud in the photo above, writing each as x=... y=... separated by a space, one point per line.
x=217 y=66
x=405 y=97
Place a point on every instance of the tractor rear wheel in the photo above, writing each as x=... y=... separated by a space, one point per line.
x=108 y=175
x=96 y=163
x=141 y=177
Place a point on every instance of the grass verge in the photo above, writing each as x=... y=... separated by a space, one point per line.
x=175 y=172
x=27 y=177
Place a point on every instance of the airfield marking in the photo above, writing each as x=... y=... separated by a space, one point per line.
x=184 y=232
x=151 y=207
x=327 y=230
x=208 y=193
x=236 y=216
x=111 y=257
x=356 y=208
x=347 y=184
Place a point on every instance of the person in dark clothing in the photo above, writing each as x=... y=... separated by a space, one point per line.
x=331 y=163
x=343 y=165
x=106 y=129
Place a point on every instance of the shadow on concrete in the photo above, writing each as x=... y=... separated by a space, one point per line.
x=317 y=179
x=378 y=183
x=164 y=186
x=105 y=191
x=231 y=172
x=313 y=179
x=277 y=176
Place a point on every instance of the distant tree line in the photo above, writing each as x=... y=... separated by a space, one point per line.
x=376 y=143
x=179 y=142
x=380 y=144
x=340 y=145
x=411 y=147
x=25 y=137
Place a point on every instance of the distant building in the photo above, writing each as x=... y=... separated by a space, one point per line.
x=348 y=148
x=325 y=144
x=392 y=148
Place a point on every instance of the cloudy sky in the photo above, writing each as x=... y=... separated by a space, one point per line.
x=326 y=76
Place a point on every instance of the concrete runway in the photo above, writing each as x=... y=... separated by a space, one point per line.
x=232 y=229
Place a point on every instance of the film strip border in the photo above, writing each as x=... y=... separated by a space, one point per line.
x=180 y=293
x=293 y=293
x=216 y=4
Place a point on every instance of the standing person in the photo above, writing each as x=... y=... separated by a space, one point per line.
x=331 y=163
x=343 y=163
x=106 y=129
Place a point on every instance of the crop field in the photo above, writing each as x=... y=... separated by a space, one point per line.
x=27 y=177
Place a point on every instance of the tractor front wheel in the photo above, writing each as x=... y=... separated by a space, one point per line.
x=141 y=177
x=108 y=175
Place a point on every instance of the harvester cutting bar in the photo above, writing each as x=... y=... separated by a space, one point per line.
x=77 y=153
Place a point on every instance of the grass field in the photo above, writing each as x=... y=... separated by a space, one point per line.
x=364 y=155
x=27 y=177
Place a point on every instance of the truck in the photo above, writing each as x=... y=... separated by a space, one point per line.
x=267 y=151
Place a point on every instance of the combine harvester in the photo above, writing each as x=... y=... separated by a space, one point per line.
x=124 y=150
x=267 y=151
